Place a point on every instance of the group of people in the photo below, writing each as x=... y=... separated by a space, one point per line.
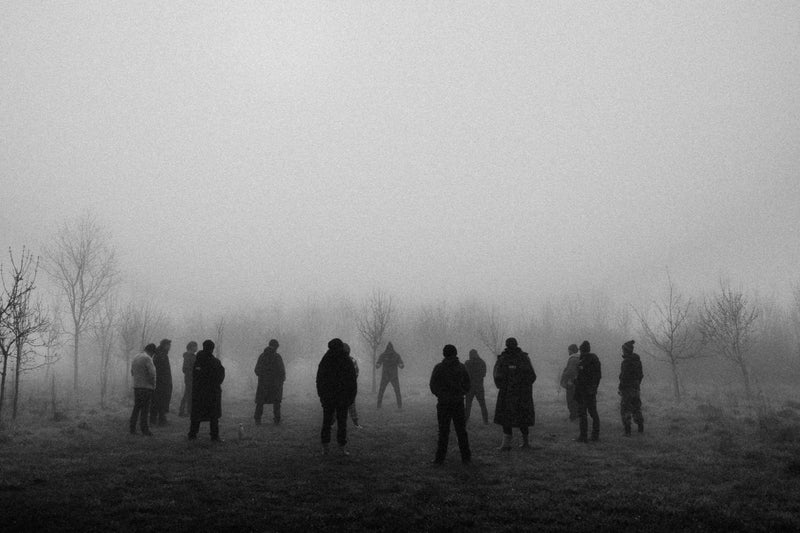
x=456 y=385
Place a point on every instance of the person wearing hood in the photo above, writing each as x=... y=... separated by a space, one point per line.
x=188 y=365
x=630 y=380
x=162 y=395
x=207 y=377
x=449 y=383
x=586 y=383
x=476 y=368
x=271 y=375
x=514 y=377
x=390 y=361
x=337 y=388
x=567 y=381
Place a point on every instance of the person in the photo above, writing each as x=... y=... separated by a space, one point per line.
x=352 y=409
x=390 y=361
x=188 y=364
x=271 y=375
x=568 y=376
x=337 y=388
x=163 y=391
x=476 y=368
x=514 y=377
x=630 y=380
x=144 y=381
x=207 y=377
x=449 y=383
x=586 y=383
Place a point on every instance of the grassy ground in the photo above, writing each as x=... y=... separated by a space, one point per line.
x=697 y=467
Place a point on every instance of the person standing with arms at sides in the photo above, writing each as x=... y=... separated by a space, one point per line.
x=144 y=381
x=163 y=392
x=207 y=377
x=352 y=409
x=390 y=361
x=514 y=377
x=630 y=381
x=271 y=375
x=337 y=388
x=188 y=364
x=476 y=368
x=449 y=383
x=586 y=383
x=568 y=376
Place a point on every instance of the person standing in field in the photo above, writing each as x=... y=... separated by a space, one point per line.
x=337 y=388
x=476 y=368
x=568 y=376
x=449 y=383
x=390 y=360
x=188 y=364
x=630 y=381
x=271 y=375
x=352 y=409
x=586 y=383
x=163 y=391
x=144 y=381
x=514 y=377
x=207 y=377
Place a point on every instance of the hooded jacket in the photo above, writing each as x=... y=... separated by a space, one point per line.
x=630 y=374
x=450 y=381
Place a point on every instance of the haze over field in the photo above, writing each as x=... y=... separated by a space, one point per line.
x=246 y=152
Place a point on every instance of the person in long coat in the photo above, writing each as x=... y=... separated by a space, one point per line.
x=449 y=383
x=514 y=377
x=207 y=377
x=567 y=380
x=586 y=383
x=188 y=365
x=337 y=388
x=271 y=375
x=476 y=368
x=630 y=381
x=390 y=360
x=162 y=395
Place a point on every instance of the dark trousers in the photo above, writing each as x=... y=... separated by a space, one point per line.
x=276 y=412
x=186 y=400
x=141 y=408
x=158 y=410
x=445 y=413
x=588 y=407
x=353 y=413
x=478 y=395
x=572 y=404
x=395 y=381
x=328 y=414
x=630 y=405
x=194 y=427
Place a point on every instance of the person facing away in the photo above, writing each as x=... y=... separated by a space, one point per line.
x=188 y=364
x=630 y=381
x=271 y=375
x=163 y=391
x=449 y=383
x=476 y=368
x=352 y=409
x=207 y=377
x=144 y=381
x=337 y=388
x=586 y=383
x=390 y=360
x=567 y=381
x=514 y=377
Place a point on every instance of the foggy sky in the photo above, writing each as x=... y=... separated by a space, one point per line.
x=248 y=151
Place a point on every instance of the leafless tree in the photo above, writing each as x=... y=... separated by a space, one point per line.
x=136 y=325
x=104 y=329
x=373 y=323
x=83 y=264
x=435 y=325
x=670 y=332
x=727 y=324
x=220 y=335
x=491 y=332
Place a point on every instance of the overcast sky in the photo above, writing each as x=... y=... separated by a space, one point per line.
x=248 y=151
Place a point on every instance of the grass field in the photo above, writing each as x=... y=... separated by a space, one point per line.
x=697 y=467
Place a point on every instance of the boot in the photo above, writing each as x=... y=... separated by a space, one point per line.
x=343 y=449
x=505 y=446
x=525 y=442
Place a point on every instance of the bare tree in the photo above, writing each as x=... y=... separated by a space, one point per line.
x=671 y=332
x=105 y=331
x=491 y=332
x=220 y=334
x=83 y=264
x=373 y=322
x=435 y=325
x=727 y=324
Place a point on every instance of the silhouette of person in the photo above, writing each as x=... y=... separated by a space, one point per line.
x=514 y=377
x=188 y=364
x=271 y=375
x=207 y=377
x=337 y=388
x=449 y=383
x=144 y=381
x=630 y=381
x=390 y=360
x=162 y=394
x=568 y=376
x=352 y=409
x=586 y=383
x=476 y=368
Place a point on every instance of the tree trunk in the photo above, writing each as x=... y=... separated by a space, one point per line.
x=676 y=386
x=374 y=360
x=3 y=384
x=17 y=372
x=75 y=360
x=746 y=380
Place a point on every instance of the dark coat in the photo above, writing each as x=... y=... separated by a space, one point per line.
x=588 y=378
x=476 y=368
x=271 y=375
x=207 y=376
x=514 y=377
x=187 y=368
x=163 y=391
x=630 y=374
x=336 y=379
x=390 y=361
x=450 y=381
